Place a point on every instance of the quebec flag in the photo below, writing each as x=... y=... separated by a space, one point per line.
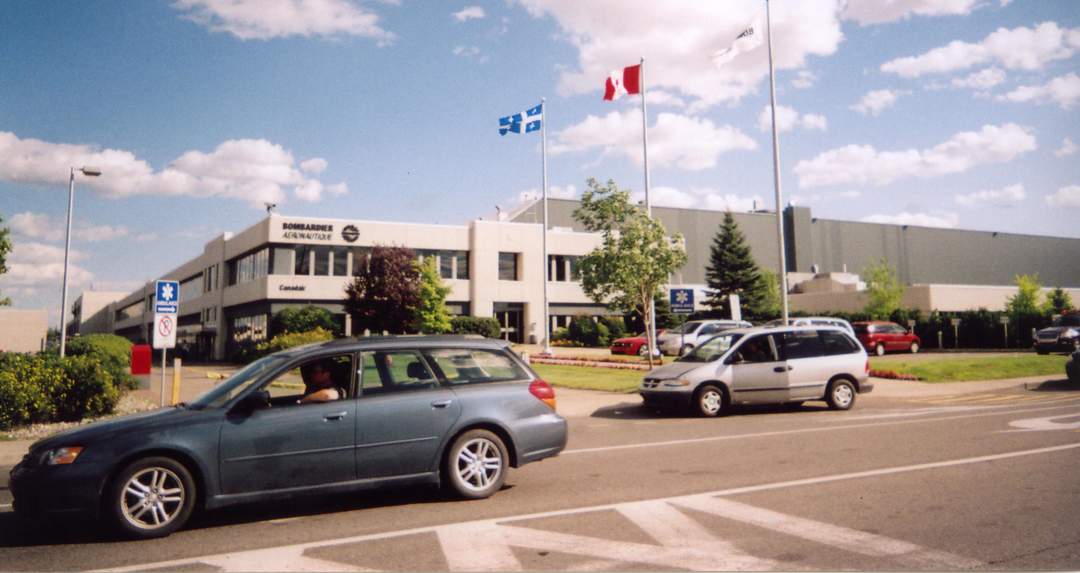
x=527 y=121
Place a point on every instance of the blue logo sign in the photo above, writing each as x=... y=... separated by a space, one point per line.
x=682 y=300
x=167 y=299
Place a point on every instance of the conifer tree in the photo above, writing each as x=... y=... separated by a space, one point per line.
x=732 y=270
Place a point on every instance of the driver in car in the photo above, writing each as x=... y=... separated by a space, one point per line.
x=319 y=383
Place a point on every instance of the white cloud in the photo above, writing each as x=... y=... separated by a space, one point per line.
x=661 y=97
x=665 y=197
x=787 y=119
x=313 y=166
x=678 y=39
x=876 y=101
x=1065 y=197
x=817 y=198
x=470 y=52
x=1062 y=90
x=1067 y=148
x=252 y=170
x=867 y=12
x=804 y=79
x=937 y=219
x=41 y=226
x=1003 y=197
x=981 y=80
x=269 y=19
x=469 y=13
x=44 y=274
x=674 y=140
x=554 y=192
x=864 y=165
x=1020 y=48
x=39 y=253
x=698 y=198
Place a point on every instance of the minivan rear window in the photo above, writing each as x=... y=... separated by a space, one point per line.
x=837 y=343
x=802 y=344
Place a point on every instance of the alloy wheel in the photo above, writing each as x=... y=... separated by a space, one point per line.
x=479 y=464
x=152 y=498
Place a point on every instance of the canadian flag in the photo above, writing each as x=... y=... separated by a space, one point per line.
x=622 y=82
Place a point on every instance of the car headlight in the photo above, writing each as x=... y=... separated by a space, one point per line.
x=1071 y=333
x=676 y=383
x=61 y=456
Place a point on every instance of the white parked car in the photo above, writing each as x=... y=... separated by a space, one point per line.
x=763 y=365
x=815 y=321
x=679 y=341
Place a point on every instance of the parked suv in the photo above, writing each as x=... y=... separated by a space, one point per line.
x=880 y=337
x=679 y=341
x=815 y=321
x=1062 y=336
x=763 y=366
x=408 y=410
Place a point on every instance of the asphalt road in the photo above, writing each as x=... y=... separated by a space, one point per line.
x=985 y=480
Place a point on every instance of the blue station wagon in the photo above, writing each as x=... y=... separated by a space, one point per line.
x=452 y=410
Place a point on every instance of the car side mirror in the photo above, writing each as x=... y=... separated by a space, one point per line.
x=257 y=400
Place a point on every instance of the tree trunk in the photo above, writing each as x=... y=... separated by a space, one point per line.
x=649 y=332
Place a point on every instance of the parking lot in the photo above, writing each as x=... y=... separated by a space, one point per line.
x=886 y=485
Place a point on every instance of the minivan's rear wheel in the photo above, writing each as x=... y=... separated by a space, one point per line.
x=709 y=401
x=841 y=394
x=879 y=349
x=476 y=464
x=914 y=347
x=151 y=497
x=685 y=350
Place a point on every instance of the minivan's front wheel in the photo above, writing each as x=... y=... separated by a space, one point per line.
x=476 y=464
x=841 y=394
x=151 y=497
x=709 y=401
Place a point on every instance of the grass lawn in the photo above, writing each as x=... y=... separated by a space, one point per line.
x=590 y=378
x=946 y=369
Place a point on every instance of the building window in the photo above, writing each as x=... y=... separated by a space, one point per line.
x=302 y=264
x=132 y=310
x=446 y=265
x=249 y=267
x=361 y=259
x=341 y=261
x=508 y=266
x=192 y=288
x=322 y=261
x=563 y=268
x=251 y=328
x=462 y=264
x=282 y=261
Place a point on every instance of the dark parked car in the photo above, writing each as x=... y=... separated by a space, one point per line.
x=454 y=410
x=1062 y=336
x=880 y=337
x=1072 y=367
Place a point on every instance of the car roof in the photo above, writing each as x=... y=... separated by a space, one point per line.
x=774 y=329
x=403 y=341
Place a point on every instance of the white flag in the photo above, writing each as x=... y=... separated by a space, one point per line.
x=747 y=40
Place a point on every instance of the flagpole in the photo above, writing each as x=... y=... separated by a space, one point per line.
x=648 y=205
x=776 y=173
x=547 y=264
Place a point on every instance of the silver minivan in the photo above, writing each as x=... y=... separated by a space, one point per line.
x=679 y=341
x=763 y=366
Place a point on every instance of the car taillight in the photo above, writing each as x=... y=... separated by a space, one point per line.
x=867 y=365
x=543 y=392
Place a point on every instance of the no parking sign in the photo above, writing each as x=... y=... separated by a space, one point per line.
x=166 y=305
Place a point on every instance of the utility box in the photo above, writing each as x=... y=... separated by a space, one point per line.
x=142 y=357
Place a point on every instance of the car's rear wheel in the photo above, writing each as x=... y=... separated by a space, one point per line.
x=685 y=349
x=841 y=394
x=879 y=349
x=151 y=497
x=914 y=348
x=476 y=464
x=709 y=401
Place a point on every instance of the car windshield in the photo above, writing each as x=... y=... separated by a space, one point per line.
x=237 y=383
x=1068 y=320
x=712 y=349
x=686 y=328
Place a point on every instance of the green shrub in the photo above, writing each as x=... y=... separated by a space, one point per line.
x=87 y=390
x=292 y=339
x=615 y=325
x=41 y=389
x=588 y=332
x=112 y=351
x=485 y=326
x=302 y=319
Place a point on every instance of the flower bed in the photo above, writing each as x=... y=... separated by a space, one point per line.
x=892 y=375
x=597 y=363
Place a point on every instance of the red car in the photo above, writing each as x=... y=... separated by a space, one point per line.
x=632 y=345
x=879 y=337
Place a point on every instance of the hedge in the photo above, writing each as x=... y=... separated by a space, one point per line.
x=46 y=388
x=293 y=339
x=112 y=351
x=487 y=327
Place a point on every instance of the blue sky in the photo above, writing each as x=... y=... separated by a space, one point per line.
x=955 y=113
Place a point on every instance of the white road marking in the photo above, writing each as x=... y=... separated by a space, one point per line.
x=477 y=547
x=287 y=558
x=998 y=411
x=524 y=537
x=909 y=554
x=1047 y=423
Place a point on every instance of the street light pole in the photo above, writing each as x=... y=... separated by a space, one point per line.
x=89 y=172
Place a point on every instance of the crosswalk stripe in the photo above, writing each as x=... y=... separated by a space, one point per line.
x=477 y=547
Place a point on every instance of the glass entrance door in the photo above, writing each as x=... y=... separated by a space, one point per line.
x=509 y=317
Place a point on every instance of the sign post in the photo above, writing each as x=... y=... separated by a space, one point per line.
x=166 y=307
x=1005 y=324
x=682 y=302
x=956 y=331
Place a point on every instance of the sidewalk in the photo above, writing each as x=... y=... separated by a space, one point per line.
x=571 y=403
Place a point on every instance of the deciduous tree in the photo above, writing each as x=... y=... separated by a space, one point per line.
x=385 y=292
x=430 y=315
x=883 y=289
x=636 y=256
x=5 y=248
x=1057 y=302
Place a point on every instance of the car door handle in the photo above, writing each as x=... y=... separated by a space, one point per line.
x=783 y=369
x=337 y=416
x=441 y=403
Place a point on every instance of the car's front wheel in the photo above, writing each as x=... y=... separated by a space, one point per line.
x=879 y=349
x=151 y=497
x=476 y=464
x=914 y=347
x=643 y=350
x=709 y=401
